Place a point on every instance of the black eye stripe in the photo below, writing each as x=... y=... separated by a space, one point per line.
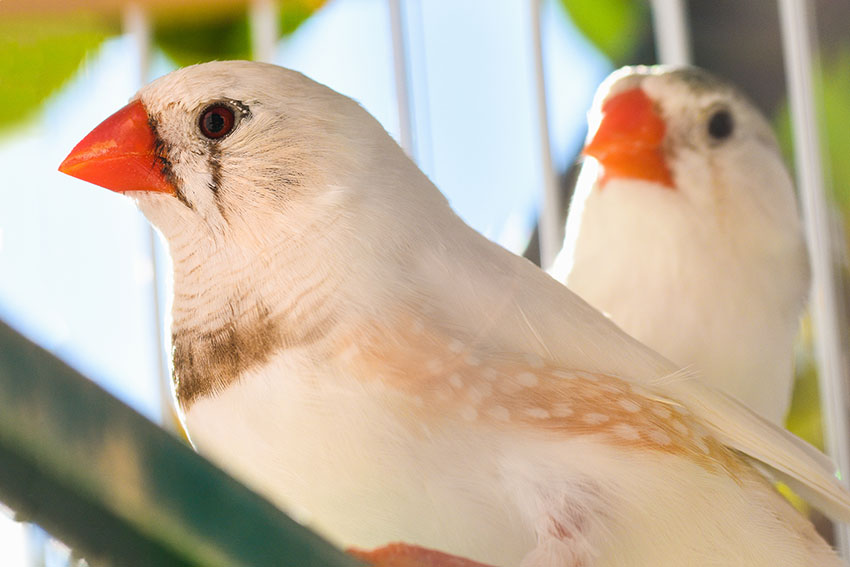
x=164 y=162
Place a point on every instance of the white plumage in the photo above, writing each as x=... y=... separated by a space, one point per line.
x=347 y=346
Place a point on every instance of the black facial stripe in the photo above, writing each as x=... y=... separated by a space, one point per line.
x=161 y=151
x=214 y=164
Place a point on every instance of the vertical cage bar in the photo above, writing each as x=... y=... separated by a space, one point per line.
x=799 y=60
x=672 y=38
x=265 y=31
x=401 y=72
x=136 y=25
x=549 y=225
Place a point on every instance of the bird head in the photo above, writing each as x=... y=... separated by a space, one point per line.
x=681 y=143
x=681 y=129
x=245 y=154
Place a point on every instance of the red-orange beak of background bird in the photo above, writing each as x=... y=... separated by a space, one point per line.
x=120 y=154
x=628 y=142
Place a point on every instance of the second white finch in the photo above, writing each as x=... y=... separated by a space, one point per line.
x=684 y=230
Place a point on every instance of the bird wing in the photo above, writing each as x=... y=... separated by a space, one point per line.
x=786 y=457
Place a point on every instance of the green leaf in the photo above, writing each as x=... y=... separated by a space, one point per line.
x=122 y=491
x=613 y=26
x=202 y=36
x=831 y=90
x=836 y=112
x=198 y=36
x=38 y=55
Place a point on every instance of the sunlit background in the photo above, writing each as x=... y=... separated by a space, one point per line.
x=80 y=270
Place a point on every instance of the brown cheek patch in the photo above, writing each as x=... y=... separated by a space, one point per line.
x=446 y=376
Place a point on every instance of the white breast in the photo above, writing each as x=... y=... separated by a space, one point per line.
x=330 y=453
x=680 y=288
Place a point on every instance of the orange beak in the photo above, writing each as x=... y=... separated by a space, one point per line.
x=120 y=154
x=628 y=141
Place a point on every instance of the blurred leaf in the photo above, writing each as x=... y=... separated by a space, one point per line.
x=836 y=108
x=37 y=56
x=197 y=36
x=831 y=90
x=614 y=26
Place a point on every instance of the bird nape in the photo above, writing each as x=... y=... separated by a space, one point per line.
x=347 y=346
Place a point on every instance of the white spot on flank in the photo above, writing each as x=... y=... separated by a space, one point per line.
x=562 y=410
x=527 y=379
x=595 y=418
x=626 y=431
x=434 y=365
x=658 y=436
x=630 y=406
x=456 y=381
x=469 y=413
x=489 y=374
x=472 y=360
x=499 y=412
x=537 y=413
x=418 y=401
x=702 y=446
x=455 y=346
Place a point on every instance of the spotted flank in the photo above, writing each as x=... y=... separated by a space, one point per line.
x=448 y=376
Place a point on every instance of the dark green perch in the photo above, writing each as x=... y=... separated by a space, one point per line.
x=121 y=490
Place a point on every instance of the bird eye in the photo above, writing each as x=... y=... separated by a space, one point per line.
x=217 y=121
x=720 y=125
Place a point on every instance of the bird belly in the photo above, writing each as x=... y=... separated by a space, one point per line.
x=330 y=454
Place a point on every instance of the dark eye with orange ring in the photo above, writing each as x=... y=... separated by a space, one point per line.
x=217 y=121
